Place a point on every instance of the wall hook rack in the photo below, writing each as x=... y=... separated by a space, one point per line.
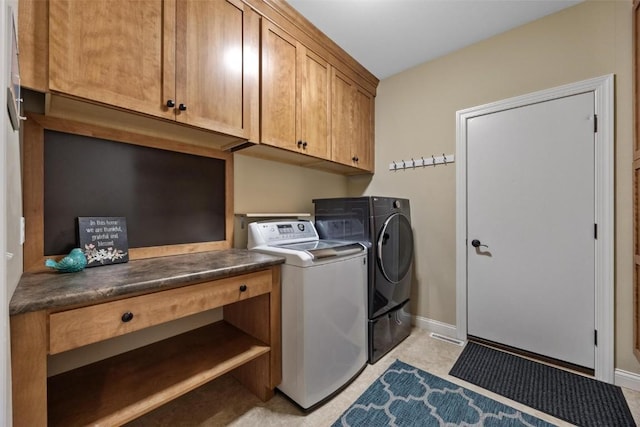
x=421 y=162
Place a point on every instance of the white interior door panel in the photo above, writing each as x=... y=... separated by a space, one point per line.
x=530 y=200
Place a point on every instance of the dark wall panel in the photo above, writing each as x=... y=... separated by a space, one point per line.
x=167 y=197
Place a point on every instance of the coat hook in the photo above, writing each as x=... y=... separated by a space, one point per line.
x=395 y=167
x=434 y=160
x=422 y=157
x=403 y=165
x=444 y=159
x=413 y=163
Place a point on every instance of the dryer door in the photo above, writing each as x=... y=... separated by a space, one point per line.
x=395 y=248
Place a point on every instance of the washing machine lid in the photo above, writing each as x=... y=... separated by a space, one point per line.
x=297 y=241
x=325 y=248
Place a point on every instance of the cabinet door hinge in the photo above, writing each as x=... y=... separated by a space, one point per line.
x=595 y=231
x=595 y=123
x=595 y=337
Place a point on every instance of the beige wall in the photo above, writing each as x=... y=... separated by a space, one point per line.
x=268 y=186
x=415 y=116
x=264 y=186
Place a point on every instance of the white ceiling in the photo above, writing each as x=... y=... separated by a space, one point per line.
x=390 y=36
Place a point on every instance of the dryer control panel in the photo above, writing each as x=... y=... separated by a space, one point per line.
x=280 y=232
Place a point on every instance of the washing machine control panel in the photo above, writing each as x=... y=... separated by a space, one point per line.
x=279 y=232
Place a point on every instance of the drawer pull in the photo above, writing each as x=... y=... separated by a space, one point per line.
x=243 y=288
x=127 y=316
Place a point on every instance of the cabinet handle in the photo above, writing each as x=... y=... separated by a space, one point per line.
x=299 y=144
x=304 y=145
x=127 y=316
x=243 y=288
x=182 y=107
x=355 y=158
x=170 y=103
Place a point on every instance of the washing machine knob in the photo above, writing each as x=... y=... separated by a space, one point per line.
x=396 y=204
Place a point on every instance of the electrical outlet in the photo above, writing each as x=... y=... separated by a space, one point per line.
x=22 y=232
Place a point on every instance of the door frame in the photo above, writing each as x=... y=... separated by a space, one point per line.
x=603 y=88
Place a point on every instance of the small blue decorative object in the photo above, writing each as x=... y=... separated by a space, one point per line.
x=75 y=261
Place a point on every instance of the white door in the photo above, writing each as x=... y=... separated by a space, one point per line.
x=530 y=200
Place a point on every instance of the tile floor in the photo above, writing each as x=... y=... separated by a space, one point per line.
x=224 y=402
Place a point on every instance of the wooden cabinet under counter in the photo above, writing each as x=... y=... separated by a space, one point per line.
x=82 y=326
x=246 y=342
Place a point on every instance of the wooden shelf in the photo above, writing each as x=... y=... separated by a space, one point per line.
x=122 y=388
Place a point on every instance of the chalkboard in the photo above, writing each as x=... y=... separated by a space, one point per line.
x=167 y=197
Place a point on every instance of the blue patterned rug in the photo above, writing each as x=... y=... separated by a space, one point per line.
x=408 y=396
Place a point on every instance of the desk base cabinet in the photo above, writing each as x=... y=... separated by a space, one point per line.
x=121 y=388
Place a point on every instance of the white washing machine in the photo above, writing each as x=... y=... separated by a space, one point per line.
x=324 y=308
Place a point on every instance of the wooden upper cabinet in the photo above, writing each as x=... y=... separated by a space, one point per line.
x=217 y=65
x=363 y=142
x=33 y=44
x=342 y=108
x=313 y=104
x=279 y=68
x=116 y=52
x=190 y=61
x=352 y=123
x=295 y=95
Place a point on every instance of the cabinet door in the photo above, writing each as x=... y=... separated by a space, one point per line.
x=363 y=130
x=352 y=112
x=117 y=52
x=217 y=67
x=342 y=107
x=314 y=107
x=279 y=70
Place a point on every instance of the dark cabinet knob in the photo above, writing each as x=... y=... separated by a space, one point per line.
x=299 y=144
x=170 y=103
x=243 y=288
x=304 y=144
x=182 y=107
x=126 y=317
x=355 y=158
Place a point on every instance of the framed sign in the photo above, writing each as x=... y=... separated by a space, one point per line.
x=103 y=240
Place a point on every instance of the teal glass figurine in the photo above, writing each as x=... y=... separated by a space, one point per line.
x=75 y=261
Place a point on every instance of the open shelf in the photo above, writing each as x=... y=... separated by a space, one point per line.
x=119 y=389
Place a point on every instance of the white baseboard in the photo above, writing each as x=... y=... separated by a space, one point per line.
x=434 y=326
x=627 y=379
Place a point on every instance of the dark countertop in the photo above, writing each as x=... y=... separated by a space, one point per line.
x=50 y=289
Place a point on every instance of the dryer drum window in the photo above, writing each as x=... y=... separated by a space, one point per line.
x=395 y=247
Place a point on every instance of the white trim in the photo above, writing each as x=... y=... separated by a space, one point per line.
x=434 y=326
x=604 y=189
x=627 y=379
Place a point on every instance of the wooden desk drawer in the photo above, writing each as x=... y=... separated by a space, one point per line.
x=78 y=327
